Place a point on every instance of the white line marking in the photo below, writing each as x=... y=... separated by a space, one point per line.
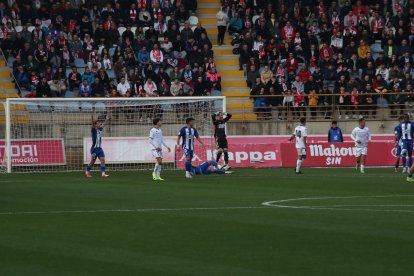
x=129 y=210
x=276 y=203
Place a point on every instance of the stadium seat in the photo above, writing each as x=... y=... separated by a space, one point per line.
x=193 y=20
x=193 y=28
x=10 y=61
x=181 y=28
x=167 y=18
x=145 y=29
x=100 y=107
x=80 y=63
x=18 y=29
x=111 y=51
x=86 y=107
x=255 y=18
x=111 y=74
x=121 y=30
x=30 y=28
x=376 y=48
x=133 y=29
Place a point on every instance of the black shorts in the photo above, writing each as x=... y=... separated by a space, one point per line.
x=221 y=144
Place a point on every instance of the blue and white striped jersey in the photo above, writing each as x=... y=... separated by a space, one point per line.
x=188 y=134
x=97 y=137
x=405 y=132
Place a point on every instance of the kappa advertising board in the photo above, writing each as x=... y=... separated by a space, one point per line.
x=40 y=152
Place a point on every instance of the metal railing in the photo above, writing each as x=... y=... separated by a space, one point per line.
x=384 y=106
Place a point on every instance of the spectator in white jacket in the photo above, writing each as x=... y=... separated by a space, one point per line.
x=222 y=20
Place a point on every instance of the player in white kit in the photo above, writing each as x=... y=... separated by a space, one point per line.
x=301 y=132
x=157 y=141
x=362 y=137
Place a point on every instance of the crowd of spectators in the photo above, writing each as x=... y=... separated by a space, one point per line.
x=124 y=48
x=360 y=52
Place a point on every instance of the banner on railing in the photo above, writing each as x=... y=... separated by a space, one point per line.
x=120 y=150
x=35 y=152
x=250 y=151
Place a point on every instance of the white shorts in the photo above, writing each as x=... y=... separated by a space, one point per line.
x=156 y=153
x=301 y=151
x=361 y=151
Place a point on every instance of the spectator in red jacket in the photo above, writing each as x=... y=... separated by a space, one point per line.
x=291 y=63
x=304 y=73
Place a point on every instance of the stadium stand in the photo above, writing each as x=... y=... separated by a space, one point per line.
x=276 y=59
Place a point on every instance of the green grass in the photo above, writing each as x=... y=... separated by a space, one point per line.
x=374 y=239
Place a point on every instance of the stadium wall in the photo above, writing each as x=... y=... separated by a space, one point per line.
x=314 y=128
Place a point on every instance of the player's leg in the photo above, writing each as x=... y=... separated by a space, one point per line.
x=90 y=165
x=358 y=158
x=404 y=162
x=397 y=163
x=214 y=168
x=103 y=166
x=363 y=157
x=226 y=153
x=301 y=157
x=397 y=158
x=219 y=153
x=410 y=155
x=364 y=153
x=188 y=166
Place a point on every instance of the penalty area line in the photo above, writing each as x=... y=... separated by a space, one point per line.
x=143 y=210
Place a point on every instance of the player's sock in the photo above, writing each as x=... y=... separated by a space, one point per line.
x=159 y=170
x=298 y=165
x=362 y=168
x=226 y=158
x=404 y=161
x=188 y=166
x=410 y=161
x=88 y=168
x=397 y=164
x=103 y=168
x=218 y=156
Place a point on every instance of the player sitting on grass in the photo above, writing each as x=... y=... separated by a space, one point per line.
x=96 y=149
x=156 y=139
x=208 y=167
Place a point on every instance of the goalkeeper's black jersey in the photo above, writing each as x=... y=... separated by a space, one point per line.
x=220 y=126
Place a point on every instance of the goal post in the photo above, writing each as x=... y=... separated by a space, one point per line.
x=54 y=134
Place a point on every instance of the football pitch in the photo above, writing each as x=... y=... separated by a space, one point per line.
x=253 y=222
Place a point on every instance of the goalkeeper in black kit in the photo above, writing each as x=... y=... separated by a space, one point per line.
x=219 y=121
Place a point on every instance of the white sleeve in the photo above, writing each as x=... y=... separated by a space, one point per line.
x=369 y=135
x=162 y=141
x=151 y=137
x=353 y=135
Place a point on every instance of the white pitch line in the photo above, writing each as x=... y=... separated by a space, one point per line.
x=129 y=210
x=277 y=204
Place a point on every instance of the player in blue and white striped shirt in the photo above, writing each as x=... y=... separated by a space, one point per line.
x=96 y=149
x=398 y=148
x=188 y=134
x=405 y=133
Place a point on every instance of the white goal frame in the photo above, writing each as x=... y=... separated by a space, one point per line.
x=10 y=101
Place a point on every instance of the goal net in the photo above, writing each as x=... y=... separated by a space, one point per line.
x=43 y=135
